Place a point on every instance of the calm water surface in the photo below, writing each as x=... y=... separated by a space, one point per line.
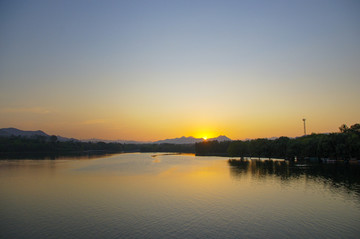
x=177 y=196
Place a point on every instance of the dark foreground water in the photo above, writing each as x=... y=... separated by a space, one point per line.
x=177 y=196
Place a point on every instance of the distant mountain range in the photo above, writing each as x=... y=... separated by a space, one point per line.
x=191 y=140
x=7 y=132
x=181 y=140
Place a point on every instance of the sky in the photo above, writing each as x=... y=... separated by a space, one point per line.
x=150 y=70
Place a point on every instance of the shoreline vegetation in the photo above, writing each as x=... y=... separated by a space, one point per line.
x=15 y=147
x=343 y=145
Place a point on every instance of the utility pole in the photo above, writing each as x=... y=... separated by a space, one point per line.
x=304 y=126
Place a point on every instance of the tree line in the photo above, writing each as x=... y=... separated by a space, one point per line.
x=51 y=144
x=43 y=144
x=341 y=145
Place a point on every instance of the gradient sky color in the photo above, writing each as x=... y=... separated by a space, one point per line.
x=149 y=70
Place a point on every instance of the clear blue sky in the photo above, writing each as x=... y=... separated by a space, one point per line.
x=160 y=69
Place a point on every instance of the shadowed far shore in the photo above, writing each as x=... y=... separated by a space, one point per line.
x=343 y=145
x=39 y=147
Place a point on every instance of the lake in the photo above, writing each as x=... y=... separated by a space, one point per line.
x=150 y=195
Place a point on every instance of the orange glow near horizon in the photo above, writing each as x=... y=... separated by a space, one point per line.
x=211 y=131
x=116 y=128
x=154 y=78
